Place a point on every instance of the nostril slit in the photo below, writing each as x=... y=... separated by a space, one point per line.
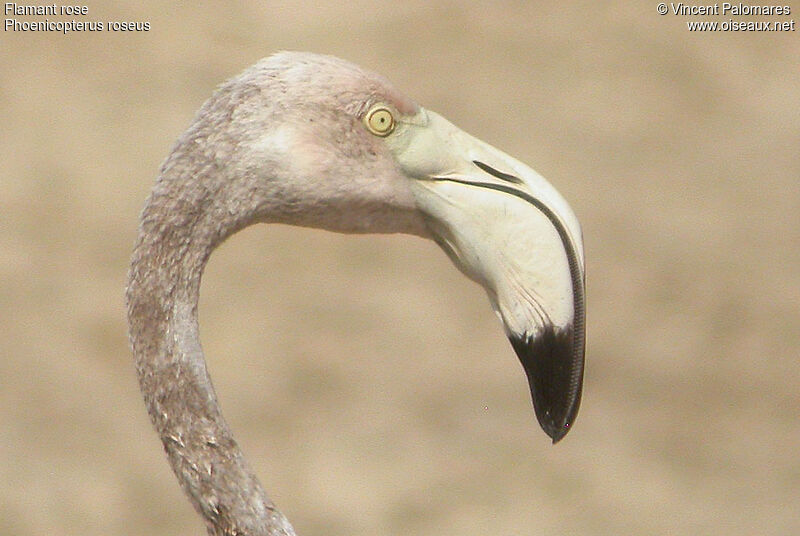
x=496 y=173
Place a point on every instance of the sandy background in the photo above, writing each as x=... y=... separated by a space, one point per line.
x=367 y=380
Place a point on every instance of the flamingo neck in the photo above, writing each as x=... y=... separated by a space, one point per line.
x=182 y=223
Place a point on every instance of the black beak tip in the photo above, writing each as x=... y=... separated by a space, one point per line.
x=554 y=417
x=556 y=432
x=554 y=367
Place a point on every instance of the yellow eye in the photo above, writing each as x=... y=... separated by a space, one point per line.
x=380 y=121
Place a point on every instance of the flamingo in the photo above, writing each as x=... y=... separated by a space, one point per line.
x=313 y=140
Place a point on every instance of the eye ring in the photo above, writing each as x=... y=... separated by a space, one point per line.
x=380 y=121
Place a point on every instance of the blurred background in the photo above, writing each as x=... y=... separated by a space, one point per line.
x=368 y=382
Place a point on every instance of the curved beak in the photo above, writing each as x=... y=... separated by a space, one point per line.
x=507 y=228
